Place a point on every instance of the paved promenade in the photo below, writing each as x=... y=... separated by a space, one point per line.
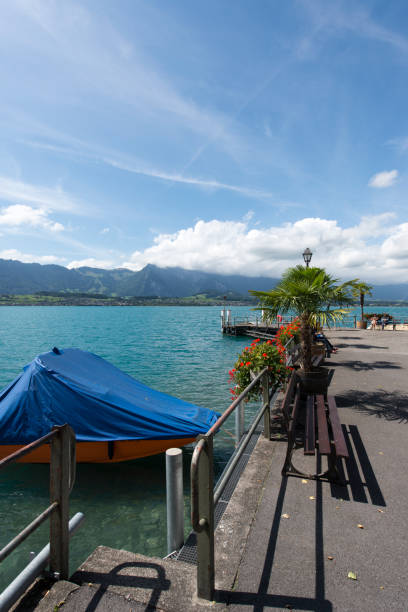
x=305 y=537
x=286 y=543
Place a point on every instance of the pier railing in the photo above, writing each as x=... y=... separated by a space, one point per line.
x=62 y=478
x=203 y=495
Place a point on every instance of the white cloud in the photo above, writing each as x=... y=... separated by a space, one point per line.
x=46 y=197
x=91 y=262
x=18 y=215
x=29 y=258
x=383 y=179
x=105 y=230
x=373 y=249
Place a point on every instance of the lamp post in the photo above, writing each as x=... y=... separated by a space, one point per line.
x=307 y=256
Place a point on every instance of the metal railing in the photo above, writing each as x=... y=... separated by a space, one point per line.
x=62 y=478
x=259 y=321
x=203 y=495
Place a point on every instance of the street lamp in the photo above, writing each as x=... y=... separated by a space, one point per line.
x=307 y=256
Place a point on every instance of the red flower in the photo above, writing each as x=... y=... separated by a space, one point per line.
x=264 y=354
x=248 y=363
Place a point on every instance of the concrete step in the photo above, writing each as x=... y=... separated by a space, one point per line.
x=68 y=596
x=135 y=580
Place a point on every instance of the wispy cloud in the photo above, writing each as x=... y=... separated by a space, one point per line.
x=189 y=180
x=49 y=198
x=85 y=151
x=332 y=16
x=96 y=58
x=381 y=180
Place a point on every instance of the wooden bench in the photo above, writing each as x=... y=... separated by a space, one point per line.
x=294 y=357
x=317 y=360
x=313 y=422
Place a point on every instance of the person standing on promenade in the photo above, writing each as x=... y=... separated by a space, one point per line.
x=374 y=322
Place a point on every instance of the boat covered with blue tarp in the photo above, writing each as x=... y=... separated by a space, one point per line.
x=114 y=416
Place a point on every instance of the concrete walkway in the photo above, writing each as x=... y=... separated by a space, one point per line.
x=287 y=543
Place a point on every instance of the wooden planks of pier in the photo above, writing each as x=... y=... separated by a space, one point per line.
x=255 y=330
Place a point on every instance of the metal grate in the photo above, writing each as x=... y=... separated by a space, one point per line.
x=188 y=553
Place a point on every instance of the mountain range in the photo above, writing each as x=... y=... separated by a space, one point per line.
x=27 y=278
x=23 y=278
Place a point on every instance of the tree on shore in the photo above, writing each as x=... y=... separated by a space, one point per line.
x=360 y=290
x=311 y=294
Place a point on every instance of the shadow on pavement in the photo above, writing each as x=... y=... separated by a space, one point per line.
x=358 y=488
x=154 y=584
x=262 y=598
x=362 y=366
x=362 y=346
x=382 y=404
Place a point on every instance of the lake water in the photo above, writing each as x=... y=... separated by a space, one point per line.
x=177 y=350
x=180 y=351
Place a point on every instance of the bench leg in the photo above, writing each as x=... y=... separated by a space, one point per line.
x=288 y=468
x=332 y=473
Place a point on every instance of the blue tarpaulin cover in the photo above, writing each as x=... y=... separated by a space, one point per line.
x=99 y=401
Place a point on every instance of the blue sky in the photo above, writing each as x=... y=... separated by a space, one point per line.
x=220 y=136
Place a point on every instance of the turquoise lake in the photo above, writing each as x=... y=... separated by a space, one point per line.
x=177 y=350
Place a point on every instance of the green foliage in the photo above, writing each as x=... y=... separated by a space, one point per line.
x=360 y=290
x=259 y=355
x=309 y=293
x=313 y=295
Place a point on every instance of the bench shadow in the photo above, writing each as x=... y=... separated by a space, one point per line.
x=362 y=366
x=391 y=406
x=261 y=598
x=362 y=346
x=154 y=584
x=356 y=488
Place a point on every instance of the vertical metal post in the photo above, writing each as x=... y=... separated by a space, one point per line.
x=239 y=421
x=265 y=400
x=175 y=499
x=59 y=492
x=205 y=537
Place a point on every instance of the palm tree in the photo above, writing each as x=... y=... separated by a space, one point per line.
x=360 y=290
x=311 y=294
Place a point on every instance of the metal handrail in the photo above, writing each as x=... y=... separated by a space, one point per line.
x=27 y=449
x=39 y=520
x=203 y=496
x=195 y=521
x=221 y=484
x=220 y=421
x=62 y=477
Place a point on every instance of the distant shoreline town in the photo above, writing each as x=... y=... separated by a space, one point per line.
x=44 y=298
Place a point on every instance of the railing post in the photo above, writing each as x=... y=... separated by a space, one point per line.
x=205 y=536
x=239 y=421
x=59 y=492
x=174 y=499
x=265 y=400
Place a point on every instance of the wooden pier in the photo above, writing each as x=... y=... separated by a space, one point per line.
x=253 y=328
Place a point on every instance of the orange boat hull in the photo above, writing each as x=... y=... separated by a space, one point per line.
x=101 y=452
